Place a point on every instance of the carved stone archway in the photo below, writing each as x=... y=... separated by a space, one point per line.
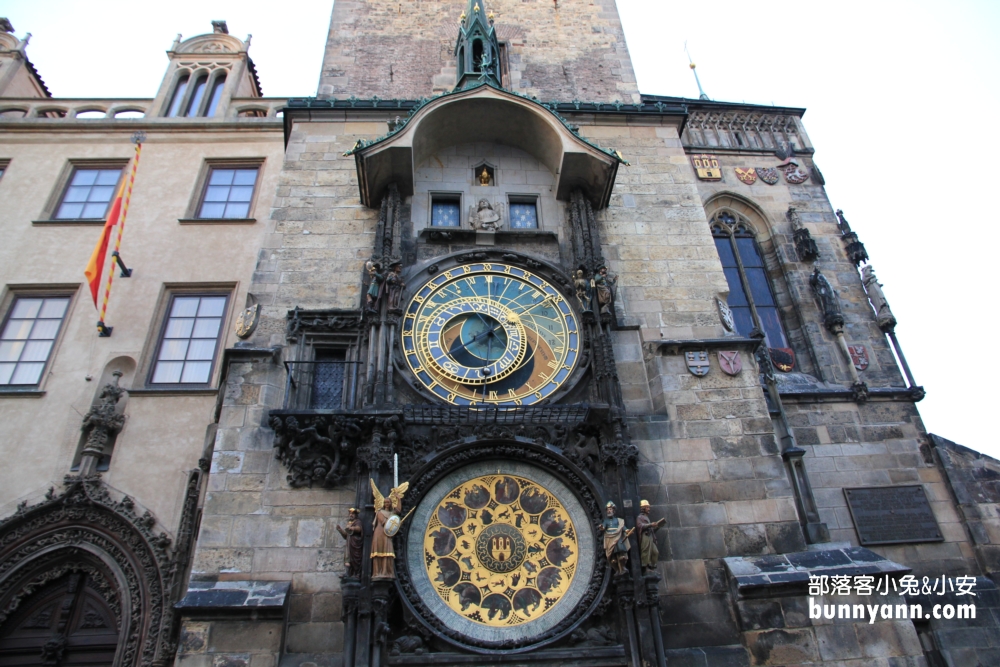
x=103 y=543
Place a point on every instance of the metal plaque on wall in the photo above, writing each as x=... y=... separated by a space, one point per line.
x=892 y=515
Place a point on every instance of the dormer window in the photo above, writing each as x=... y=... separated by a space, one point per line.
x=202 y=99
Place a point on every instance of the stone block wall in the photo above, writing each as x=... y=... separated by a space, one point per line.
x=405 y=50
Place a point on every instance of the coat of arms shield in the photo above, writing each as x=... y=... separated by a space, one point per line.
x=859 y=356
x=697 y=362
x=707 y=167
x=748 y=176
x=794 y=174
x=247 y=321
x=769 y=175
x=783 y=358
x=730 y=362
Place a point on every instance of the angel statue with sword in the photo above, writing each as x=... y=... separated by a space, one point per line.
x=386 y=525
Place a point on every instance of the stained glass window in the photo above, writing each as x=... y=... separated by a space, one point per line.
x=523 y=216
x=747 y=278
x=445 y=214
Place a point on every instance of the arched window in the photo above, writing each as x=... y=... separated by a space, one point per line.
x=477 y=55
x=199 y=92
x=461 y=62
x=216 y=96
x=175 y=101
x=750 y=296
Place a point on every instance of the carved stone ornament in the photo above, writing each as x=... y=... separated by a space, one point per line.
x=247 y=320
x=748 y=176
x=707 y=167
x=725 y=315
x=103 y=421
x=805 y=246
x=321 y=450
x=769 y=175
x=83 y=529
x=485 y=217
x=697 y=362
x=883 y=313
x=730 y=362
x=793 y=173
x=320 y=321
x=833 y=317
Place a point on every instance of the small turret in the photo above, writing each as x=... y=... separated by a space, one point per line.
x=477 y=49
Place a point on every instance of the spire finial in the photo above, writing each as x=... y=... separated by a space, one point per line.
x=701 y=92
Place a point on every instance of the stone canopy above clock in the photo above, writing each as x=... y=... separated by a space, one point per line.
x=486 y=114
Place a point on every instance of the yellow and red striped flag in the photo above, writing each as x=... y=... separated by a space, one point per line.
x=95 y=267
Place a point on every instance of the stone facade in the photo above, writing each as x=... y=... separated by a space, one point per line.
x=747 y=437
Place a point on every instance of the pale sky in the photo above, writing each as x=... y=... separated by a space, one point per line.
x=894 y=91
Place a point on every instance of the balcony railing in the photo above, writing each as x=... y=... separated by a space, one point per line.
x=327 y=384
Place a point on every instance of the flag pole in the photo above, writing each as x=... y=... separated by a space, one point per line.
x=103 y=330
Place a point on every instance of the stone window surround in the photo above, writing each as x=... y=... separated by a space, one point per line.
x=211 y=73
x=201 y=187
x=144 y=373
x=13 y=292
x=524 y=198
x=447 y=196
x=47 y=216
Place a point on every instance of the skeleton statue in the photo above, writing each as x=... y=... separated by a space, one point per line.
x=582 y=286
x=484 y=218
x=395 y=286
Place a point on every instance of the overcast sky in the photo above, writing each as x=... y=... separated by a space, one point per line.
x=896 y=92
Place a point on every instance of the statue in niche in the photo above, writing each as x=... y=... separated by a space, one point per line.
x=649 y=553
x=484 y=218
x=395 y=286
x=616 y=544
x=604 y=283
x=354 y=536
x=582 y=286
x=484 y=178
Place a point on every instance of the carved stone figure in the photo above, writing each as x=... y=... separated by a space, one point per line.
x=386 y=525
x=354 y=535
x=582 y=286
x=649 y=554
x=886 y=320
x=395 y=286
x=102 y=421
x=616 y=544
x=833 y=318
x=602 y=635
x=604 y=283
x=484 y=218
x=375 y=280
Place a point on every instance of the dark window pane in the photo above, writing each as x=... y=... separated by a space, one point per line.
x=760 y=288
x=725 y=249
x=328 y=380
x=770 y=322
x=737 y=297
x=213 y=101
x=743 y=319
x=199 y=92
x=749 y=252
x=175 y=103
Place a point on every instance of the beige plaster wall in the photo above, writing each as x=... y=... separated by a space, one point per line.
x=164 y=435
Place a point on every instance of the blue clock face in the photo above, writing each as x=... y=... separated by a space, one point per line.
x=487 y=333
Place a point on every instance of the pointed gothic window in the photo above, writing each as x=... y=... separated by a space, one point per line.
x=750 y=296
x=199 y=92
x=179 y=90
x=216 y=96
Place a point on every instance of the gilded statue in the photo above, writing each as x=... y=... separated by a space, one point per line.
x=616 y=544
x=385 y=526
x=484 y=178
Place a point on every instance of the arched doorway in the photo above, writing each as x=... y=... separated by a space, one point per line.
x=67 y=622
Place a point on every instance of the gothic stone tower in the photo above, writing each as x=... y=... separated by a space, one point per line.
x=505 y=297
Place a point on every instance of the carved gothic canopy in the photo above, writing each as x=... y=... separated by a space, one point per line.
x=486 y=114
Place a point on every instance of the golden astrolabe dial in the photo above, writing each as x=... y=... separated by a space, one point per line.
x=500 y=550
x=486 y=333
